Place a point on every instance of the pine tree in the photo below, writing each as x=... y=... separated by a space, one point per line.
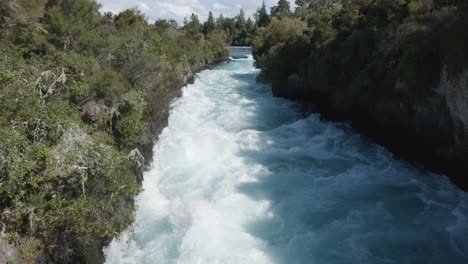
x=250 y=26
x=301 y=7
x=209 y=25
x=194 y=20
x=193 y=25
x=261 y=16
x=220 y=21
x=240 y=20
x=282 y=9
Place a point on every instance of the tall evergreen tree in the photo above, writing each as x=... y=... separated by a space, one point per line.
x=282 y=9
x=193 y=25
x=240 y=20
x=220 y=21
x=250 y=26
x=261 y=16
x=209 y=25
x=301 y=7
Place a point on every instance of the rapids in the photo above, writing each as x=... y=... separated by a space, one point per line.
x=240 y=177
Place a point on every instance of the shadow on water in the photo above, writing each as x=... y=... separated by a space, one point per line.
x=336 y=198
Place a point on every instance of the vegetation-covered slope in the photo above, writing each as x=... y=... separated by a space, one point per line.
x=398 y=69
x=79 y=93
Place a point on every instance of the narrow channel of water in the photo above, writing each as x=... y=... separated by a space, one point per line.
x=241 y=177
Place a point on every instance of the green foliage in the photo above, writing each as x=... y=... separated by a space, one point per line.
x=71 y=23
x=217 y=40
x=364 y=49
x=240 y=31
x=209 y=25
x=130 y=124
x=19 y=23
x=78 y=91
x=129 y=128
x=282 y=9
x=261 y=16
x=302 y=7
x=43 y=156
x=193 y=26
x=280 y=59
x=164 y=25
x=108 y=86
x=130 y=19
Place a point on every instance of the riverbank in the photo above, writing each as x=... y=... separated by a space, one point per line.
x=397 y=71
x=82 y=94
x=28 y=249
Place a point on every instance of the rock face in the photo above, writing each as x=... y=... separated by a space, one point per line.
x=8 y=252
x=25 y=250
x=455 y=92
x=432 y=132
x=91 y=110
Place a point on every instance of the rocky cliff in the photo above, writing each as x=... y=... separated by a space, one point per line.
x=432 y=133
x=397 y=70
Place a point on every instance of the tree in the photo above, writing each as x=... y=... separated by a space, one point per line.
x=71 y=24
x=250 y=29
x=282 y=9
x=209 y=25
x=163 y=24
x=261 y=16
x=19 y=21
x=4 y=9
x=130 y=18
x=229 y=25
x=250 y=26
x=193 y=25
x=220 y=21
x=240 y=19
x=301 y=7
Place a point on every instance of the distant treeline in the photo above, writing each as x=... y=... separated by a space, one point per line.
x=240 y=31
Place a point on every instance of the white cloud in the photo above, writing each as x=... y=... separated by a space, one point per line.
x=218 y=6
x=143 y=7
x=178 y=9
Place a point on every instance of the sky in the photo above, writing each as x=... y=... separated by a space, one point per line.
x=178 y=9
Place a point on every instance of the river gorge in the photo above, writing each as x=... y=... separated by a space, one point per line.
x=242 y=177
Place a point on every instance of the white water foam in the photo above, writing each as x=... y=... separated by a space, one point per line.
x=241 y=177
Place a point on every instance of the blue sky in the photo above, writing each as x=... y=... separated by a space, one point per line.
x=178 y=9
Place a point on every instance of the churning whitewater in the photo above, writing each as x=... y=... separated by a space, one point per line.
x=240 y=177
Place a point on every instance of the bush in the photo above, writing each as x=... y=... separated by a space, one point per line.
x=66 y=178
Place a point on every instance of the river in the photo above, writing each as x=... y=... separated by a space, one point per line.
x=241 y=177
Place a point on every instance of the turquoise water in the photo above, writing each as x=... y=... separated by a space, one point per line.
x=241 y=177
